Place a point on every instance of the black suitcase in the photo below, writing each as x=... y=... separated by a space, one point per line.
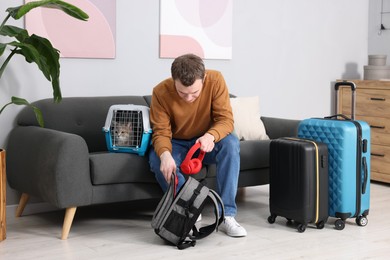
x=299 y=181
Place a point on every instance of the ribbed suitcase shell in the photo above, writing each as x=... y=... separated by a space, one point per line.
x=349 y=177
x=299 y=181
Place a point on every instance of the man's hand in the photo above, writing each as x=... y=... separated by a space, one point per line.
x=206 y=142
x=167 y=166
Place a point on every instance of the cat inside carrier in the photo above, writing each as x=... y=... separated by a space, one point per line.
x=127 y=129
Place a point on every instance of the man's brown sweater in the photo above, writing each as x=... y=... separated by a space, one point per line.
x=172 y=117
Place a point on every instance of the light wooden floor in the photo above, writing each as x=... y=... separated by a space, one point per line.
x=124 y=232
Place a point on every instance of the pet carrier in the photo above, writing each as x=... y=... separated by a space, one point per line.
x=127 y=129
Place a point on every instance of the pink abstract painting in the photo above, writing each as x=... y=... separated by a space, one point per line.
x=202 y=27
x=94 y=38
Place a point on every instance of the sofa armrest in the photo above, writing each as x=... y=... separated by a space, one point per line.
x=280 y=127
x=49 y=164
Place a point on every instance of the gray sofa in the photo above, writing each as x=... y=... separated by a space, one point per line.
x=66 y=163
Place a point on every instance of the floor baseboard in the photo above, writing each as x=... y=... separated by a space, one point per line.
x=31 y=208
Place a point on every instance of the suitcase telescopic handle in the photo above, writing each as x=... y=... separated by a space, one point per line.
x=345 y=83
x=337 y=86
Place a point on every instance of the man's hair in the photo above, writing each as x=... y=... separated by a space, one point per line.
x=188 y=68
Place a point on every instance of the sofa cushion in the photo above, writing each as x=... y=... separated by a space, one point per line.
x=254 y=154
x=247 y=122
x=109 y=168
x=248 y=160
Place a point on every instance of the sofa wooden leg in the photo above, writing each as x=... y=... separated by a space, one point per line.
x=22 y=204
x=69 y=215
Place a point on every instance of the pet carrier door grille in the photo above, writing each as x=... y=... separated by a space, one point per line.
x=128 y=129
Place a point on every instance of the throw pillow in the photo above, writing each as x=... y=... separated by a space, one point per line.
x=247 y=122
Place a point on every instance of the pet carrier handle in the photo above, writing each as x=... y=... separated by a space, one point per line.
x=353 y=90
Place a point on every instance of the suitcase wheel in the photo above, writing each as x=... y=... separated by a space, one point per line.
x=361 y=221
x=339 y=224
x=271 y=219
x=320 y=225
x=301 y=228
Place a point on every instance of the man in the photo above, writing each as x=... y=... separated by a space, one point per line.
x=194 y=106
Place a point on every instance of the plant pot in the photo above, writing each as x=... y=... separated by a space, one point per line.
x=2 y=196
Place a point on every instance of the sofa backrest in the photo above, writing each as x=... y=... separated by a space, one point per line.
x=84 y=116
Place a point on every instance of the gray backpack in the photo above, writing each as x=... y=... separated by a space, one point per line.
x=176 y=214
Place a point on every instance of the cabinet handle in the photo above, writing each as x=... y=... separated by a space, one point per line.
x=377 y=154
x=378 y=99
x=378 y=126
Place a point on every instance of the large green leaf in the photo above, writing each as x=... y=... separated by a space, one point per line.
x=2 y=48
x=40 y=51
x=31 y=54
x=13 y=31
x=20 y=11
x=50 y=62
x=34 y=48
x=23 y=102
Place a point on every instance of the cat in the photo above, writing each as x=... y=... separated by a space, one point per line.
x=123 y=134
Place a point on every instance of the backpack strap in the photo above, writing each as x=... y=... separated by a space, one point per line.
x=219 y=217
x=203 y=232
x=174 y=183
x=186 y=244
x=219 y=212
x=217 y=198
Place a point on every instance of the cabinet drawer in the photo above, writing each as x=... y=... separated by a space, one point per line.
x=380 y=159
x=371 y=102
x=380 y=129
x=377 y=176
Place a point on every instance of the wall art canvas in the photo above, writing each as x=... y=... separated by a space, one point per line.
x=94 y=38
x=202 y=27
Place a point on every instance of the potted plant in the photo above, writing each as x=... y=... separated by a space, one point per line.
x=37 y=50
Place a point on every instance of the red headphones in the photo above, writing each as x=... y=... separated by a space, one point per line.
x=192 y=165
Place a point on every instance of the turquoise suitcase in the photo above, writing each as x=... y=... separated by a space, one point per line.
x=348 y=143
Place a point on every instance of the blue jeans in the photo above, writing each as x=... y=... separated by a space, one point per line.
x=226 y=156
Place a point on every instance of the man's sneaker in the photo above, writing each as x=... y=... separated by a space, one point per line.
x=232 y=228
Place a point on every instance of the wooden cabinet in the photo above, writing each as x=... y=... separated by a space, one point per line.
x=372 y=106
